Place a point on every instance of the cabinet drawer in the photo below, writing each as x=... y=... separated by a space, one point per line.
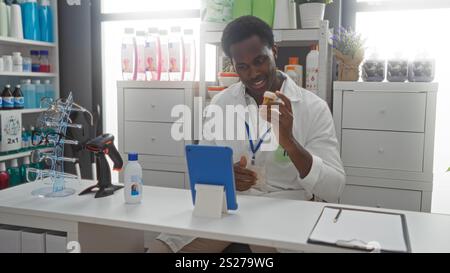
x=384 y=111
x=382 y=198
x=163 y=179
x=151 y=104
x=383 y=150
x=151 y=139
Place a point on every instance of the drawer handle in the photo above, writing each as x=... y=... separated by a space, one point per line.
x=153 y=106
x=153 y=139
x=381 y=150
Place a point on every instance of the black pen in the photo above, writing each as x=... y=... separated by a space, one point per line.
x=337 y=216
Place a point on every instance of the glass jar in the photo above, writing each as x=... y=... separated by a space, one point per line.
x=397 y=70
x=44 y=64
x=374 y=70
x=421 y=70
x=35 y=63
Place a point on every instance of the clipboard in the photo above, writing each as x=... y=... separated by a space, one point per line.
x=365 y=230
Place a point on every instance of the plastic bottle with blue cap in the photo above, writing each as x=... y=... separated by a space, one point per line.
x=133 y=180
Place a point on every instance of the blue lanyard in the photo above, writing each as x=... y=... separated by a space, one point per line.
x=260 y=142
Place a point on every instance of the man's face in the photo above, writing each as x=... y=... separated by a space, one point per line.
x=255 y=63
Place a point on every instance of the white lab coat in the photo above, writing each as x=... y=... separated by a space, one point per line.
x=313 y=129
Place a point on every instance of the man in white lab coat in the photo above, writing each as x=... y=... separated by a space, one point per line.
x=306 y=166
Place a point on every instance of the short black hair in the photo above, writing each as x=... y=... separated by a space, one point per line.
x=243 y=28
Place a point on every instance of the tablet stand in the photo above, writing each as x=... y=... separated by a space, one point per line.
x=210 y=201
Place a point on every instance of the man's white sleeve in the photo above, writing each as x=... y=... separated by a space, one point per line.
x=326 y=179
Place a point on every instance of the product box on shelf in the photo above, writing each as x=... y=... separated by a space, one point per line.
x=11 y=131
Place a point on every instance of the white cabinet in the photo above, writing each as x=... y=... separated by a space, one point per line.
x=386 y=134
x=145 y=126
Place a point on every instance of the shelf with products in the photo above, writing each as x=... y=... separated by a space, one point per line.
x=22 y=154
x=24 y=47
x=29 y=74
x=22 y=42
x=25 y=111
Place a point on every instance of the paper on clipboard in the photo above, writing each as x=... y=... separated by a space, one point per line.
x=360 y=229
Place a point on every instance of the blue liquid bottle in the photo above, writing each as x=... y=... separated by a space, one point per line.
x=46 y=21
x=30 y=20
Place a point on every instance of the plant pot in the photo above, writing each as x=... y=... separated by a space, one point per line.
x=348 y=72
x=311 y=14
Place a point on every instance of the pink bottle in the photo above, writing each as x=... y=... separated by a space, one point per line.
x=140 y=55
x=152 y=55
x=164 y=53
x=128 y=53
x=189 y=56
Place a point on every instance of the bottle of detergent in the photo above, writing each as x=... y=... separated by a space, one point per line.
x=46 y=21
x=29 y=94
x=133 y=180
x=30 y=18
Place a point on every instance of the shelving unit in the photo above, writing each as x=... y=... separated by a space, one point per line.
x=29 y=74
x=4 y=158
x=14 y=41
x=9 y=45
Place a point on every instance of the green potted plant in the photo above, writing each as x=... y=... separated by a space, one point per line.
x=312 y=12
x=349 y=48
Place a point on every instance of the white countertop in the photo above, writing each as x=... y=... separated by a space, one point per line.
x=261 y=221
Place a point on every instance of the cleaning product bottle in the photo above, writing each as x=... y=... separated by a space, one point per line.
x=40 y=92
x=26 y=140
x=128 y=52
x=152 y=55
x=30 y=18
x=29 y=94
x=8 y=16
x=49 y=91
x=190 y=56
x=4 y=176
x=23 y=169
x=7 y=98
x=312 y=70
x=19 y=101
x=46 y=21
x=133 y=180
x=175 y=54
x=164 y=48
x=16 y=22
x=15 y=178
x=3 y=20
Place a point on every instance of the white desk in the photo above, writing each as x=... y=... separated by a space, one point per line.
x=269 y=222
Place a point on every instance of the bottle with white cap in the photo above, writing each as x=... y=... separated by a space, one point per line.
x=133 y=180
